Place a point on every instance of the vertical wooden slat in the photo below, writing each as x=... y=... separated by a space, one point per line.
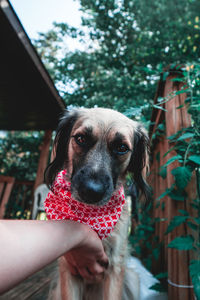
x=163 y=204
x=159 y=186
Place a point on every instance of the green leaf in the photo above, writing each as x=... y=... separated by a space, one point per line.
x=183 y=212
x=158 y=156
x=161 y=275
x=159 y=107
x=178 y=79
x=174 y=136
x=148 y=228
x=182 y=91
x=176 y=221
x=160 y=99
x=165 y=74
x=156 y=253
x=197 y=220
x=172 y=159
x=180 y=106
x=195 y=159
x=163 y=206
x=166 y=192
x=192 y=226
x=161 y=127
x=178 y=195
x=163 y=172
x=195 y=276
x=148 y=70
x=170 y=150
x=182 y=243
x=157 y=287
x=195 y=206
x=182 y=176
x=186 y=135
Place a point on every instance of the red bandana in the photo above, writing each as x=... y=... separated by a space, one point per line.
x=60 y=205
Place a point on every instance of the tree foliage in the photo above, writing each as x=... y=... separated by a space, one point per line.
x=127 y=45
x=19 y=154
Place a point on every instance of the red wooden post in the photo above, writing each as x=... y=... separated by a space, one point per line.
x=43 y=160
x=6 y=185
x=174 y=261
x=178 y=261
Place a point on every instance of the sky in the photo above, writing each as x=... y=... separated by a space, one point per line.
x=38 y=15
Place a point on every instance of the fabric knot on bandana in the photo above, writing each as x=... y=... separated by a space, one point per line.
x=59 y=205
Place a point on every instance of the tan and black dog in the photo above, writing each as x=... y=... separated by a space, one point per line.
x=98 y=147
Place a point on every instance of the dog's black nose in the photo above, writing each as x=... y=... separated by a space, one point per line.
x=92 y=191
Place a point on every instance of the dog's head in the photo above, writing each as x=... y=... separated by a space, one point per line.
x=98 y=147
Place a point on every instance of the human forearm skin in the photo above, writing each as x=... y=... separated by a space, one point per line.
x=27 y=246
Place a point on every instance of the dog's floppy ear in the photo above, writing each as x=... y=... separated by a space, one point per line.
x=60 y=146
x=139 y=162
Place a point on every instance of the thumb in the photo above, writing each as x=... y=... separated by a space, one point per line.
x=103 y=260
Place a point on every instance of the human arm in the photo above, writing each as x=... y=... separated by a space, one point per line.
x=27 y=246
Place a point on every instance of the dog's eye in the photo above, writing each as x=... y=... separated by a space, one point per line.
x=121 y=149
x=80 y=139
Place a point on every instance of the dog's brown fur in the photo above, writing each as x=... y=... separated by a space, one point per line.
x=91 y=142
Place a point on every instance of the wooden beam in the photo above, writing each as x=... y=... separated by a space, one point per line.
x=44 y=157
x=6 y=185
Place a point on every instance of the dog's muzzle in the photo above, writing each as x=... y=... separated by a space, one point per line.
x=92 y=190
x=92 y=187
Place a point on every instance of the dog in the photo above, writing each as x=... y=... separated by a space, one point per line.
x=98 y=147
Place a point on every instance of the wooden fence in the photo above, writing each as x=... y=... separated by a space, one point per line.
x=173 y=261
x=20 y=201
x=16 y=197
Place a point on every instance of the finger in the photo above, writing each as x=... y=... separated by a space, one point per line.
x=96 y=269
x=85 y=273
x=73 y=270
x=103 y=261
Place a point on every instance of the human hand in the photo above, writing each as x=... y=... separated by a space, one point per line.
x=88 y=259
